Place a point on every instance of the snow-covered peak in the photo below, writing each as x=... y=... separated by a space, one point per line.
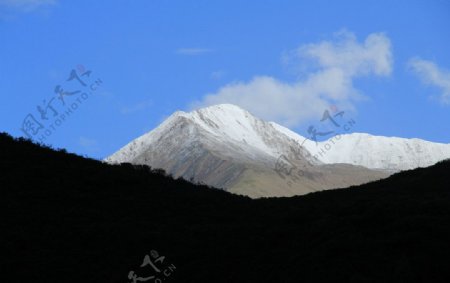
x=371 y=151
x=227 y=126
x=230 y=122
x=223 y=108
x=378 y=152
x=223 y=124
x=226 y=118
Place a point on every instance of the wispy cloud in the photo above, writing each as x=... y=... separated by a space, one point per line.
x=88 y=144
x=136 y=107
x=430 y=73
x=333 y=66
x=193 y=51
x=25 y=5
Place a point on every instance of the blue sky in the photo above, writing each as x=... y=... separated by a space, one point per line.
x=385 y=63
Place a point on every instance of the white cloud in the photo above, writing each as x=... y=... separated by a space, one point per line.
x=373 y=56
x=25 y=5
x=332 y=65
x=431 y=74
x=193 y=51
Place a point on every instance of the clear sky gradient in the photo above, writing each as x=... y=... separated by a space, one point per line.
x=385 y=63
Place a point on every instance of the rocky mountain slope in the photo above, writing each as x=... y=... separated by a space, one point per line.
x=226 y=147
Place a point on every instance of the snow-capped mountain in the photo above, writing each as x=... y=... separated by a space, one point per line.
x=375 y=152
x=226 y=147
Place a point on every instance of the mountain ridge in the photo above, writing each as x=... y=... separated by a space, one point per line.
x=227 y=147
x=343 y=151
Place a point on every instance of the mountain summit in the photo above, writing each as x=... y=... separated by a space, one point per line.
x=227 y=147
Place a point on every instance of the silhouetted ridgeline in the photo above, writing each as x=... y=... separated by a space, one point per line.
x=71 y=219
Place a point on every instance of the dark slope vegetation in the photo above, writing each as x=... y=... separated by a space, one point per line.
x=70 y=219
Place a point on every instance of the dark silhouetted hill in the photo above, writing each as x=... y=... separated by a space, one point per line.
x=66 y=218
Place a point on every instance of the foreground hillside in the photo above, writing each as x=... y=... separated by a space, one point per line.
x=72 y=219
